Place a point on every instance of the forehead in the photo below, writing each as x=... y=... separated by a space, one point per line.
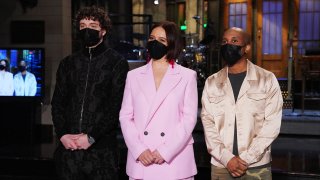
x=3 y=62
x=233 y=34
x=158 y=32
x=89 y=21
x=22 y=62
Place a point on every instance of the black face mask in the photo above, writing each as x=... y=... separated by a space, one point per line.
x=90 y=37
x=22 y=68
x=156 y=49
x=2 y=67
x=231 y=53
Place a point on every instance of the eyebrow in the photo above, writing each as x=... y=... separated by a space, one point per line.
x=90 y=23
x=159 y=37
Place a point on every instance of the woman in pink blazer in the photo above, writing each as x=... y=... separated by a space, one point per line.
x=159 y=112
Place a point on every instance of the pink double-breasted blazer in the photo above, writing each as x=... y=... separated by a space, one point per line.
x=162 y=120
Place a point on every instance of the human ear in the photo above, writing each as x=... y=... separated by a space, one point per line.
x=247 y=48
x=104 y=32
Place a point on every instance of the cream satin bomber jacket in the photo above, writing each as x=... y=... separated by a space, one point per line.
x=258 y=111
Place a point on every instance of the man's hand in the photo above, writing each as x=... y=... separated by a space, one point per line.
x=237 y=167
x=146 y=158
x=68 y=141
x=158 y=159
x=82 y=142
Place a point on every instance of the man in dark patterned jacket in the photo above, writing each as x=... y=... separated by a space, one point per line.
x=86 y=103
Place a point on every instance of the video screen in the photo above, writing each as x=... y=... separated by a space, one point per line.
x=21 y=71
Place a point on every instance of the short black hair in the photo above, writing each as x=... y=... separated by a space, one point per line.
x=7 y=63
x=96 y=14
x=173 y=38
x=22 y=60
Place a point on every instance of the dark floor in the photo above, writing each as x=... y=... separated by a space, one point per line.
x=295 y=156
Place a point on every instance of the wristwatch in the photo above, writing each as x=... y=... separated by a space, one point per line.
x=90 y=139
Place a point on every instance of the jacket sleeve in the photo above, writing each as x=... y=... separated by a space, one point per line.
x=33 y=86
x=128 y=128
x=271 y=125
x=110 y=122
x=58 y=102
x=183 y=132
x=11 y=85
x=15 y=84
x=215 y=145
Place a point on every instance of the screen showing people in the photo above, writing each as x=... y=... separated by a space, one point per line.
x=21 y=72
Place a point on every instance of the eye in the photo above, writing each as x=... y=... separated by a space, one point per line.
x=82 y=26
x=151 y=38
x=223 y=42
x=234 y=41
x=94 y=26
x=163 y=40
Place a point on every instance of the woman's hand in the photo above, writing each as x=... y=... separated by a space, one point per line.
x=146 y=158
x=158 y=158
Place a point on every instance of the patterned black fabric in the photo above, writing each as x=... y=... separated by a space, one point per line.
x=97 y=85
x=91 y=164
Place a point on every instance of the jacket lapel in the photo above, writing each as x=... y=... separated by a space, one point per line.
x=224 y=83
x=146 y=83
x=244 y=88
x=251 y=75
x=169 y=82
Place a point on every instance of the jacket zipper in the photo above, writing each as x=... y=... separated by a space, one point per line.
x=85 y=92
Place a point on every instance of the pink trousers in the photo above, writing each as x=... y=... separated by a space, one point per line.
x=189 y=178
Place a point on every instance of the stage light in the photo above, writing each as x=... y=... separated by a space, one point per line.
x=156 y=2
x=183 y=27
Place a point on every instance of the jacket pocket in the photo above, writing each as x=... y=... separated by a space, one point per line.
x=257 y=104
x=216 y=105
x=216 y=99
x=257 y=96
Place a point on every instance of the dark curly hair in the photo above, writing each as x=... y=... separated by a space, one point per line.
x=96 y=14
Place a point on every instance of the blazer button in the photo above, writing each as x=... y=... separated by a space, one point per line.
x=145 y=133
x=162 y=134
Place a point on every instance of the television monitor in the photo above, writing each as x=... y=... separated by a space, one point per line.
x=24 y=85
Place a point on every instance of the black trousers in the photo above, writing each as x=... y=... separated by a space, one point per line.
x=90 y=164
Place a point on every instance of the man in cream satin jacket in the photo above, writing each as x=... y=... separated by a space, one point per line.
x=252 y=118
